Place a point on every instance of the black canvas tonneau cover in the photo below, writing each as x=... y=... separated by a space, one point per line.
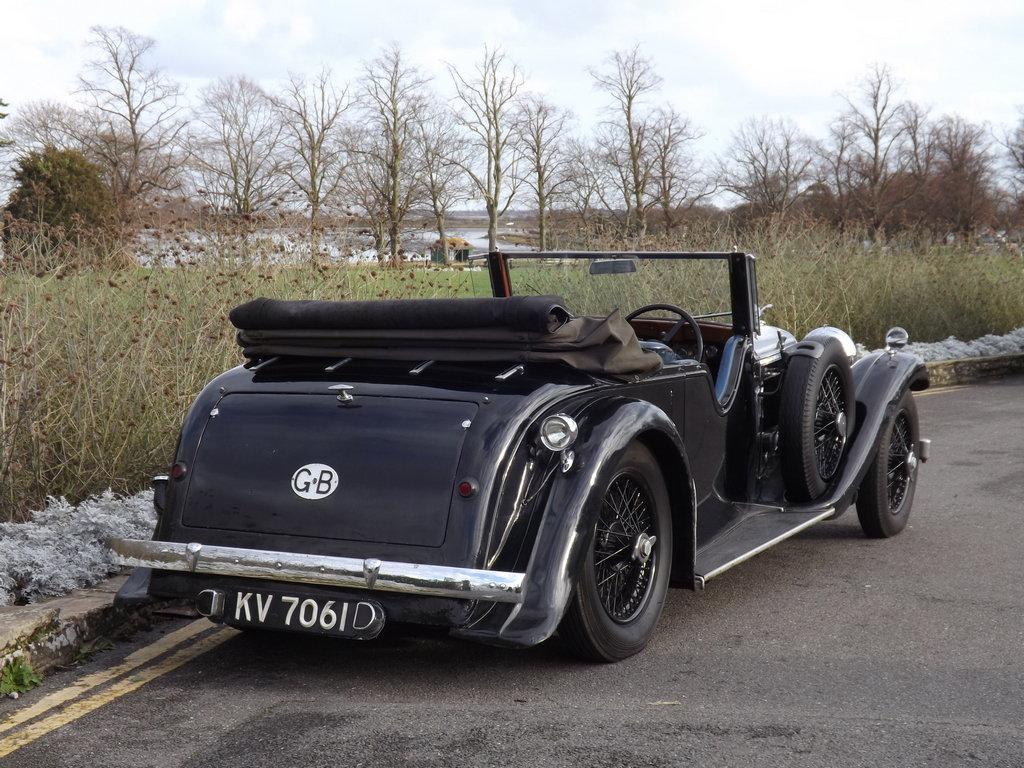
x=516 y=329
x=520 y=313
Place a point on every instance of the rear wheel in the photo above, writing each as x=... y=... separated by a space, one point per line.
x=887 y=491
x=621 y=591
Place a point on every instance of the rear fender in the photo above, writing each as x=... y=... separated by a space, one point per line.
x=573 y=506
x=879 y=381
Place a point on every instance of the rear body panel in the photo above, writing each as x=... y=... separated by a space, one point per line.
x=379 y=448
x=400 y=450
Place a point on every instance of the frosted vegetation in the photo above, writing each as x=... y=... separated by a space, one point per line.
x=954 y=349
x=62 y=546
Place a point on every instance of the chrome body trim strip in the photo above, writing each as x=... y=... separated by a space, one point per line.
x=515 y=370
x=421 y=368
x=264 y=363
x=336 y=365
x=348 y=572
x=766 y=545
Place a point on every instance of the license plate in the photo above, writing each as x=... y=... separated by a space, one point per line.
x=361 y=619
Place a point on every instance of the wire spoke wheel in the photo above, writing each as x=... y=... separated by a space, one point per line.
x=622 y=581
x=900 y=470
x=886 y=494
x=830 y=426
x=624 y=558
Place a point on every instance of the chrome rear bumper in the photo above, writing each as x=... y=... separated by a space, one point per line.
x=349 y=572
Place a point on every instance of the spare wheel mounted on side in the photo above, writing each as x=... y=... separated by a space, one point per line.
x=816 y=416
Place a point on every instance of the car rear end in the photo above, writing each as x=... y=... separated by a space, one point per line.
x=301 y=503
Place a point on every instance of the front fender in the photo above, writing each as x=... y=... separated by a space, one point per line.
x=879 y=381
x=573 y=506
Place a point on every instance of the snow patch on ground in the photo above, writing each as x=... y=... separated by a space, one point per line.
x=954 y=349
x=61 y=548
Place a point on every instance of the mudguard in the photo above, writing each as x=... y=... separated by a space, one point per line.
x=879 y=381
x=572 y=510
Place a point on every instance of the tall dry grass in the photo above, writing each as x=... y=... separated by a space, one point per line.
x=814 y=275
x=98 y=364
x=97 y=368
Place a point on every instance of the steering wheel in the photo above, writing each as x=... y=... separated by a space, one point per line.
x=685 y=318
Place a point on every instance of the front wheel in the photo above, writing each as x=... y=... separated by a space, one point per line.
x=621 y=590
x=887 y=491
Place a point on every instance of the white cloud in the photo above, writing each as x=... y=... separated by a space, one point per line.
x=720 y=61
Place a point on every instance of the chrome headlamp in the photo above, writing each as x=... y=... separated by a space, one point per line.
x=896 y=339
x=558 y=432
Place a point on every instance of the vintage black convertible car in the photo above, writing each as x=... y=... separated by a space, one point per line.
x=524 y=464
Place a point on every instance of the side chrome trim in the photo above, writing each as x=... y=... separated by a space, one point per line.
x=515 y=370
x=264 y=363
x=348 y=572
x=336 y=365
x=766 y=545
x=421 y=368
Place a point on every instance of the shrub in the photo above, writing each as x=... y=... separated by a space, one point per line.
x=59 y=197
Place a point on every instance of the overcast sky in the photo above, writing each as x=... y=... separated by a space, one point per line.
x=721 y=61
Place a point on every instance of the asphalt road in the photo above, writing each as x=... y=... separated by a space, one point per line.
x=828 y=650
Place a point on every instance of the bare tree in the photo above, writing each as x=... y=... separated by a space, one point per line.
x=1013 y=142
x=541 y=127
x=393 y=100
x=964 y=174
x=627 y=78
x=312 y=110
x=486 y=107
x=44 y=123
x=442 y=154
x=767 y=165
x=876 y=120
x=582 y=190
x=614 y=177
x=677 y=181
x=131 y=125
x=912 y=192
x=234 y=148
x=364 y=182
x=834 y=172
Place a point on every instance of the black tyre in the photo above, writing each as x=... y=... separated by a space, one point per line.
x=886 y=493
x=816 y=415
x=621 y=591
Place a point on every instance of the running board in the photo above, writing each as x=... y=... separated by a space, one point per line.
x=760 y=528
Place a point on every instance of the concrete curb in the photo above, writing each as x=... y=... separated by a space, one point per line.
x=52 y=633
x=946 y=373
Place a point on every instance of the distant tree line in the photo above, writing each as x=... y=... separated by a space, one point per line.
x=389 y=142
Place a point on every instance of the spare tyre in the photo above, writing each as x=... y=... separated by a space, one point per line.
x=815 y=417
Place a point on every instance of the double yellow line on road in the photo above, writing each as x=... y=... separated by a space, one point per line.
x=134 y=673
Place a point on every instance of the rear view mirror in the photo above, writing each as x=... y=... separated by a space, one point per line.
x=612 y=267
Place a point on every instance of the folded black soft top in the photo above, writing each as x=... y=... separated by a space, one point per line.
x=516 y=329
x=541 y=314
